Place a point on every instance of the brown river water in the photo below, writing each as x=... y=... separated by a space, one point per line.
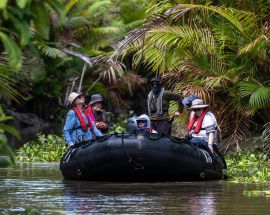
x=39 y=188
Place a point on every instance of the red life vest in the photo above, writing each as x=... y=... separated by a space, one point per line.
x=199 y=122
x=149 y=130
x=82 y=122
x=92 y=116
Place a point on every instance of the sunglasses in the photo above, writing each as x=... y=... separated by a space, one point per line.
x=197 y=109
x=141 y=121
x=155 y=83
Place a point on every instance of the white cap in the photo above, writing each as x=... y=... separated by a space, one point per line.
x=72 y=96
x=198 y=103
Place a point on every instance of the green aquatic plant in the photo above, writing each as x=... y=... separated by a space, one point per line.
x=256 y=193
x=248 y=166
x=47 y=148
x=118 y=127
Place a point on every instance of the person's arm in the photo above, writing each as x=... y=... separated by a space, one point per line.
x=96 y=131
x=211 y=129
x=211 y=141
x=69 y=126
x=176 y=97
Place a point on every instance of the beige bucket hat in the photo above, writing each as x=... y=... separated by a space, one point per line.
x=72 y=96
x=198 y=103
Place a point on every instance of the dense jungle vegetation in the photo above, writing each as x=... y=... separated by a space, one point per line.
x=216 y=49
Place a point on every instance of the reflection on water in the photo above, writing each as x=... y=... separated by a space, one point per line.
x=40 y=187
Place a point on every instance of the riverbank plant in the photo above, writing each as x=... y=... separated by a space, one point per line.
x=257 y=193
x=47 y=148
x=248 y=166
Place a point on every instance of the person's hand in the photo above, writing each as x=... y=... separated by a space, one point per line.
x=176 y=114
x=101 y=125
x=211 y=148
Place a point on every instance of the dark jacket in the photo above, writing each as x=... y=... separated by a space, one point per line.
x=166 y=98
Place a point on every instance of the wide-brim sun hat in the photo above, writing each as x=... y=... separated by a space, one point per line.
x=72 y=96
x=96 y=98
x=198 y=103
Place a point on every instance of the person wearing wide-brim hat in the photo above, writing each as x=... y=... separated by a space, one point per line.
x=97 y=112
x=78 y=127
x=202 y=124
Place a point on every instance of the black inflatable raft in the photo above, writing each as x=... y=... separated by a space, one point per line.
x=138 y=157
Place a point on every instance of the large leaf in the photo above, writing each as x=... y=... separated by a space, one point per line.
x=261 y=97
x=53 y=52
x=13 y=51
x=70 y=5
x=242 y=20
x=9 y=129
x=41 y=19
x=58 y=7
x=259 y=94
x=22 y=3
x=23 y=28
x=3 y=4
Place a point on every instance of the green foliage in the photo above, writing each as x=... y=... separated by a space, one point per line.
x=4 y=148
x=247 y=166
x=118 y=127
x=15 y=25
x=47 y=148
x=258 y=93
x=217 y=50
x=257 y=193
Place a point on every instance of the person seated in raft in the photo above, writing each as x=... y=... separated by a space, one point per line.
x=144 y=124
x=78 y=127
x=202 y=125
x=97 y=114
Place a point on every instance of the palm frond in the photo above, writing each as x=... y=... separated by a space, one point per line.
x=111 y=70
x=259 y=95
x=105 y=30
x=250 y=46
x=83 y=57
x=235 y=132
x=244 y=21
x=8 y=85
x=97 y=8
x=138 y=34
x=75 y=22
x=52 y=52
